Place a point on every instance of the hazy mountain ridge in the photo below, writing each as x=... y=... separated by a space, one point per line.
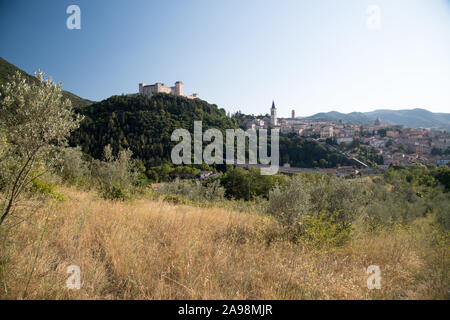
x=414 y=118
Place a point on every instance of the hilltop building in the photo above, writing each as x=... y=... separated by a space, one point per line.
x=148 y=89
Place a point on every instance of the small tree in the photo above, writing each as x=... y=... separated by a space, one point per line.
x=74 y=169
x=116 y=174
x=35 y=122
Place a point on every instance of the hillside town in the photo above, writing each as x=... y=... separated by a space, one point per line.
x=396 y=144
x=393 y=144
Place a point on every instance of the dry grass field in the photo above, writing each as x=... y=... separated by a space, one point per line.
x=149 y=249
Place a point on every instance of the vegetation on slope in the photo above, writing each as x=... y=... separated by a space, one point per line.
x=7 y=69
x=302 y=153
x=145 y=127
x=148 y=249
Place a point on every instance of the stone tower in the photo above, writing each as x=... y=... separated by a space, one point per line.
x=273 y=115
x=293 y=114
x=179 y=88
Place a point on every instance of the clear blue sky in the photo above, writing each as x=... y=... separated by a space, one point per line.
x=311 y=56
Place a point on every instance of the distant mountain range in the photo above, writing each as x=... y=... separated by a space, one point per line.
x=7 y=69
x=413 y=118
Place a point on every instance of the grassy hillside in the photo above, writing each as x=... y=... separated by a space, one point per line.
x=7 y=69
x=149 y=249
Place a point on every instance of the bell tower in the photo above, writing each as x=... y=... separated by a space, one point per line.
x=273 y=115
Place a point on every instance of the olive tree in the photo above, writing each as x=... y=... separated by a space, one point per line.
x=115 y=174
x=35 y=122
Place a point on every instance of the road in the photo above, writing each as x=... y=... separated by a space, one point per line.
x=351 y=158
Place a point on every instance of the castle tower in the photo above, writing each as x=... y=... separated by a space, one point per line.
x=273 y=115
x=293 y=114
x=141 y=88
x=179 y=88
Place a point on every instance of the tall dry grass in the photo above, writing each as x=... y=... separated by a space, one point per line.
x=149 y=249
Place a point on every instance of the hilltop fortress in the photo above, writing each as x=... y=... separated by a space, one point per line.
x=148 y=89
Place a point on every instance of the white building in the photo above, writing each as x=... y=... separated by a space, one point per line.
x=148 y=89
x=255 y=123
x=346 y=140
x=326 y=132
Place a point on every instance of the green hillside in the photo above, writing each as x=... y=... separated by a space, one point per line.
x=415 y=118
x=7 y=69
x=354 y=117
x=144 y=125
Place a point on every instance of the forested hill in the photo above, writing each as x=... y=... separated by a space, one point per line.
x=7 y=69
x=144 y=125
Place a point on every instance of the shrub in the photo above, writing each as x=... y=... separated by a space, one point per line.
x=194 y=190
x=214 y=191
x=4 y=151
x=175 y=199
x=289 y=203
x=116 y=192
x=297 y=203
x=116 y=175
x=342 y=197
x=74 y=168
x=442 y=209
x=35 y=122
x=324 y=229
x=249 y=184
x=141 y=178
x=47 y=189
x=400 y=204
